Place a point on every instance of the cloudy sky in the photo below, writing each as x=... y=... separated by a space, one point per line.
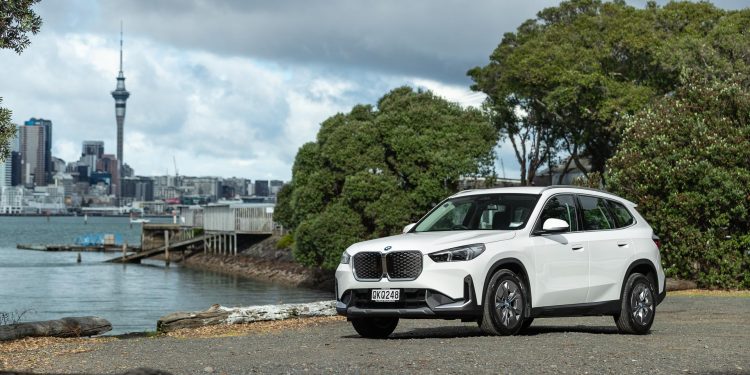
x=234 y=88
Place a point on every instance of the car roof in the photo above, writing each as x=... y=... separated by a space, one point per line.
x=539 y=190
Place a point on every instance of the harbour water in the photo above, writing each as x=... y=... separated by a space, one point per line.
x=52 y=285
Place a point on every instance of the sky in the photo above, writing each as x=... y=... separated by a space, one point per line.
x=233 y=88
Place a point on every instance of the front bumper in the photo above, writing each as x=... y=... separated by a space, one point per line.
x=415 y=303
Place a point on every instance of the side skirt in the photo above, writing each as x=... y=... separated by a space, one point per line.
x=580 y=309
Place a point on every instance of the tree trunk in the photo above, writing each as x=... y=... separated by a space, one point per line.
x=238 y=315
x=66 y=327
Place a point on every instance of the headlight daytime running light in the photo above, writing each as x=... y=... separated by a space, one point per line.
x=345 y=257
x=457 y=254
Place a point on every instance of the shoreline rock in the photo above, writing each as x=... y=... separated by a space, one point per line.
x=264 y=262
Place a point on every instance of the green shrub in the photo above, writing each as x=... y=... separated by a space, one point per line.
x=685 y=160
x=286 y=241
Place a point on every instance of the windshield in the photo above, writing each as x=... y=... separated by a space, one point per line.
x=480 y=212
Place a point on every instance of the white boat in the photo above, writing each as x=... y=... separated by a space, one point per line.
x=139 y=221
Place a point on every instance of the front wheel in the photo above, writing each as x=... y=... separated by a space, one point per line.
x=375 y=328
x=504 y=305
x=638 y=306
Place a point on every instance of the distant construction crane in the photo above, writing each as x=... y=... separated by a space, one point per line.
x=176 y=172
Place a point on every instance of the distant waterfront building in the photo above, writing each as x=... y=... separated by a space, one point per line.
x=139 y=189
x=121 y=96
x=47 y=124
x=36 y=144
x=15 y=160
x=6 y=166
x=108 y=163
x=275 y=186
x=11 y=199
x=261 y=188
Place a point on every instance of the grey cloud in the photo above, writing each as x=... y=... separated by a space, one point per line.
x=431 y=39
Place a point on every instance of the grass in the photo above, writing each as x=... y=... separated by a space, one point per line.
x=711 y=293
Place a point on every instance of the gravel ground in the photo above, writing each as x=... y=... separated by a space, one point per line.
x=692 y=334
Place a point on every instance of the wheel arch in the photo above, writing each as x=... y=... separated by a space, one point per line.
x=515 y=265
x=643 y=266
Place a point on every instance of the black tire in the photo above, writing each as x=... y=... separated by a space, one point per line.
x=503 y=313
x=375 y=328
x=638 y=305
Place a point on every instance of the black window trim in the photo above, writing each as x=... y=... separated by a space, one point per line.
x=579 y=213
x=579 y=218
x=609 y=211
x=635 y=220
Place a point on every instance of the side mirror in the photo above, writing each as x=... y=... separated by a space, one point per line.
x=555 y=226
x=408 y=227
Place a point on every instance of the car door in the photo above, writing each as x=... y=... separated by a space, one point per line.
x=561 y=260
x=609 y=248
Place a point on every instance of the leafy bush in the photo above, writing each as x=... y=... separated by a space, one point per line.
x=286 y=241
x=685 y=160
x=374 y=170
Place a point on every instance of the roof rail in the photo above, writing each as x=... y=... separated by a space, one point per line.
x=574 y=187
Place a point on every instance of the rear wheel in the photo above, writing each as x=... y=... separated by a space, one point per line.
x=375 y=328
x=504 y=304
x=638 y=306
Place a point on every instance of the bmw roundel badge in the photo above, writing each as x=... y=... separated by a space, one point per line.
x=387 y=248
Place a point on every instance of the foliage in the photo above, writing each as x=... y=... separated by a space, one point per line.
x=285 y=242
x=373 y=170
x=576 y=69
x=685 y=160
x=17 y=20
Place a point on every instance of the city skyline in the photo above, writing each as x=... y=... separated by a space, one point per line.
x=239 y=95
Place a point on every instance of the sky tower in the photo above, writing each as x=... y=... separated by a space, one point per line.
x=121 y=96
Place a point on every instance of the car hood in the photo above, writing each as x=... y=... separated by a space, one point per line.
x=428 y=242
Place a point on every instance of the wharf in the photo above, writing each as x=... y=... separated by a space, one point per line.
x=77 y=248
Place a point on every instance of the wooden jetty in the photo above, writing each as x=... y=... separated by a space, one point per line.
x=77 y=248
x=180 y=246
x=217 y=229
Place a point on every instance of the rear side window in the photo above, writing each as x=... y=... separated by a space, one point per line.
x=622 y=216
x=595 y=213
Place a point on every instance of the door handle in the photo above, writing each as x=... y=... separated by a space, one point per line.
x=622 y=244
x=577 y=247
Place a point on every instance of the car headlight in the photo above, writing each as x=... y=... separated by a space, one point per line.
x=456 y=254
x=345 y=257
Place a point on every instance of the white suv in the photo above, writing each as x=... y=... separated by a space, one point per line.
x=502 y=257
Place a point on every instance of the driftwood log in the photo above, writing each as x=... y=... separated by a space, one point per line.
x=217 y=314
x=66 y=327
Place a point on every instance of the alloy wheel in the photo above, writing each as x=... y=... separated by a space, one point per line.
x=508 y=303
x=641 y=304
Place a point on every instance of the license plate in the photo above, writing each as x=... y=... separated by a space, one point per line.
x=385 y=295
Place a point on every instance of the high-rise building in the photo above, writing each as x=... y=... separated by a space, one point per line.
x=36 y=147
x=138 y=188
x=47 y=124
x=6 y=166
x=109 y=164
x=121 y=96
x=92 y=148
x=261 y=188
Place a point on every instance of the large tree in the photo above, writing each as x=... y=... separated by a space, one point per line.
x=375 y=169
x=685 y=160
x=17 y=21
x=578 y=68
